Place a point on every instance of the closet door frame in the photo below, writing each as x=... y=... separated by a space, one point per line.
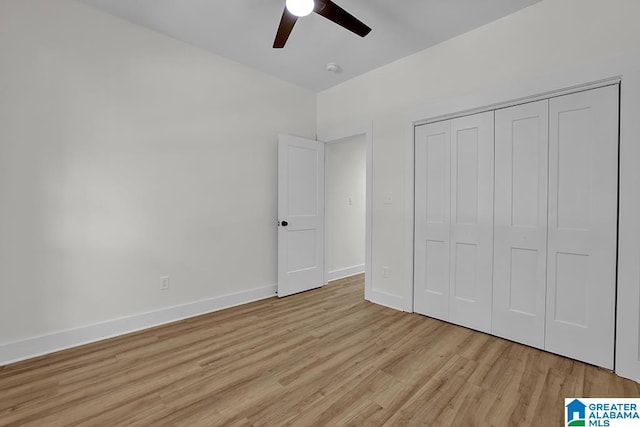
x=624 y=70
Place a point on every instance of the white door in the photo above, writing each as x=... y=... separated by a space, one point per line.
x=432 y=219
x=454 y=220
x=583 y=190
x=471 y=276
x=520 y=224
x=300 y=215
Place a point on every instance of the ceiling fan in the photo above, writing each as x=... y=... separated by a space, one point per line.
x=298 y=8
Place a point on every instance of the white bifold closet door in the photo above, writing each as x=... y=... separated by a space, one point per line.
x=432 y=219
x=582 y=229
x=520 y=233
x=454 y=220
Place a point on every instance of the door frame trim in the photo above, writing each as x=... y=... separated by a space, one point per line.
x=624 y=69
x=334 y=135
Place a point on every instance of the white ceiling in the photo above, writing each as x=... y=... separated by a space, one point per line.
x=243 y=30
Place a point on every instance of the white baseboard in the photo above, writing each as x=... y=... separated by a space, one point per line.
x=37 y=346
x=388 y=300
x=344 y=272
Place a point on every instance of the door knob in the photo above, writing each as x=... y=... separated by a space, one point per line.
x=284 y=223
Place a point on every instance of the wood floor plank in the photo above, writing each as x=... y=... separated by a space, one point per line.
x=323 y=357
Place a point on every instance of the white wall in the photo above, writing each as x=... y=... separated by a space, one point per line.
x=549 y=36
x=345 y=174
x=125 y=156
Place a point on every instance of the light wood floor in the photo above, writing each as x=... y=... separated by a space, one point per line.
x=324 y=357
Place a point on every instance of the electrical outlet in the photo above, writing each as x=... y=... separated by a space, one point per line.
x=164 y=283
x=385 y=272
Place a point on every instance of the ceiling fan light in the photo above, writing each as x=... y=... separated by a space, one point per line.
x=300 y=7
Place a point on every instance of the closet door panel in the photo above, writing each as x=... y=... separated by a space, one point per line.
x=582 y=242
x=471 y=221
x=432 y=219
x=520 y=233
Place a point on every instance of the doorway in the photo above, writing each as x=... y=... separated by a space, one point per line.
x=345 y=197
x=348 y=202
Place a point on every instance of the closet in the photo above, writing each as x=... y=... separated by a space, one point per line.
x=516 y=222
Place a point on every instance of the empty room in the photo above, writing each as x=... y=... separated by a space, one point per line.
x=319 y=212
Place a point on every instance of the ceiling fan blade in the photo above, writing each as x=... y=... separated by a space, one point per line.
x=335 y=13
x=287 y=22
